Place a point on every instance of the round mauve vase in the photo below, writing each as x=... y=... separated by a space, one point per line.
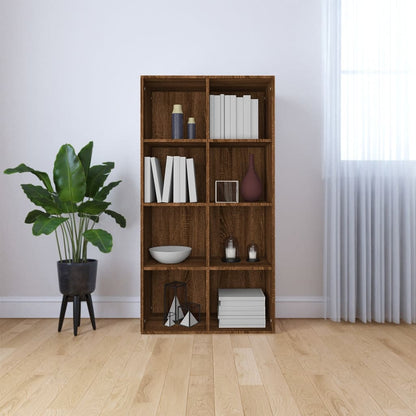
x=251 y=187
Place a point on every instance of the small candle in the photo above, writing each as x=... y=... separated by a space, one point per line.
x=230 y=252
x=252 y=255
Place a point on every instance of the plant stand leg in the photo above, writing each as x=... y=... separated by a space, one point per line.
x=79 y=311
x=63 y=310
x=90 y=310
x=76 y=303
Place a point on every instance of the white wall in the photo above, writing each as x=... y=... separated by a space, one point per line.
x=70 y=73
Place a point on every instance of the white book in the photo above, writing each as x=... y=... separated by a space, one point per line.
x=245 y=319
x=254 y=118
x=241 y=294
x=211 y=117
x=183 y=188
x=240 y=118
x=222 y=116
x=246 y=116
x=241 y=304
x=224 y=312
x=239 y=313
x=227 y=117
x=167 y=183
x=149 y=187
x=239 y=325
x=176 y=180
x=248 y=309
x=157 y=178
x=190 y=171
x=217 y=117
x=233 y=117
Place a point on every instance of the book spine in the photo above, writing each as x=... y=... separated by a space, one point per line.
x=233 y=117
x=149 y=188
x=217 y=116
x=247 y=116
x=212 y=117
x=222 y=116
x=157 y=178
x=176 y=179
x=240 y=118
x=183 y=180
x=254 y=118
x=227 y=117
x=167 y=183
x=190 y=171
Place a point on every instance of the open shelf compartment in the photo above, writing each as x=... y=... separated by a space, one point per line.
x=241 y=279
x=153 y=307
x=159 y=96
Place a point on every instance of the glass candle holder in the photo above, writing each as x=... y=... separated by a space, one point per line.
x=252 y=252
x=231 y=250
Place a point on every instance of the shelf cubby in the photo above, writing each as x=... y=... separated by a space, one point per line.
x=205 y=224
x=198 y=153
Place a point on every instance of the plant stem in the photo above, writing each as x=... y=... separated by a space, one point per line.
x=59 y=248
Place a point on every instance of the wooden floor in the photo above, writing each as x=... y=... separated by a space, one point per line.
x=309 y=367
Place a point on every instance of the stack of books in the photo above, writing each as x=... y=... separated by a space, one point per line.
x=232 y=117
x=178 y=185
x=241 y=308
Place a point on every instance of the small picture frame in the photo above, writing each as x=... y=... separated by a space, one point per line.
x=226 y=192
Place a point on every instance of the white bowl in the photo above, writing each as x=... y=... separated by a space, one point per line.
x=170 y=254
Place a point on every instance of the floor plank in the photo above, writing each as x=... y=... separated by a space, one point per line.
x=306 y=368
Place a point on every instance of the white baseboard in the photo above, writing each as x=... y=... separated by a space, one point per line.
x=300 y=307
x=129 y=307
x=49 y=307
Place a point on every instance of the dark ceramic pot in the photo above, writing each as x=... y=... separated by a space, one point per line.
x=77 y=279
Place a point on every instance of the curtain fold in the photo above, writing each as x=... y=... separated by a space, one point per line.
x=369 y=161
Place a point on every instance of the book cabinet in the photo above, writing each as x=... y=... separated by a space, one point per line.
x=205 y=225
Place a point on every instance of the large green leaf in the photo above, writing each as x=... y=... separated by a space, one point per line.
x=100 y=238
x=102 y=194
x=45 y=225
x=68 y=175
x=41 y=197
x=93 y=207
x=65 y=207
x=33 y=215
x=120 y=220
x=22 y=168
x=85 y=157
x=96 y=177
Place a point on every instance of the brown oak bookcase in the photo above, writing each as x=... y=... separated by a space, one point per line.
x=204 y=225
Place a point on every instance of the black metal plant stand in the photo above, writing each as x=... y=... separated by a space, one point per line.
x=76 y=299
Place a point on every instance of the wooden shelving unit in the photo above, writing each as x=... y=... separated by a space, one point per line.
x=205 y=224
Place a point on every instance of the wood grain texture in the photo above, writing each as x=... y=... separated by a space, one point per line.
x=204 y=225
x=308 y=367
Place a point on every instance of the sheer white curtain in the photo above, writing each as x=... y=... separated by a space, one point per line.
x=370 y=160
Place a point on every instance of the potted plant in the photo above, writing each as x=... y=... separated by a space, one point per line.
x=71 y=209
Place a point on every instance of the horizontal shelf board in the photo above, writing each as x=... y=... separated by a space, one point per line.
x=239 y=142
x=174 y=204
x=155 y=325
x=192 y=263
x=240 y=204
x=217 y=264
x=175 y=142
x=174 y=82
